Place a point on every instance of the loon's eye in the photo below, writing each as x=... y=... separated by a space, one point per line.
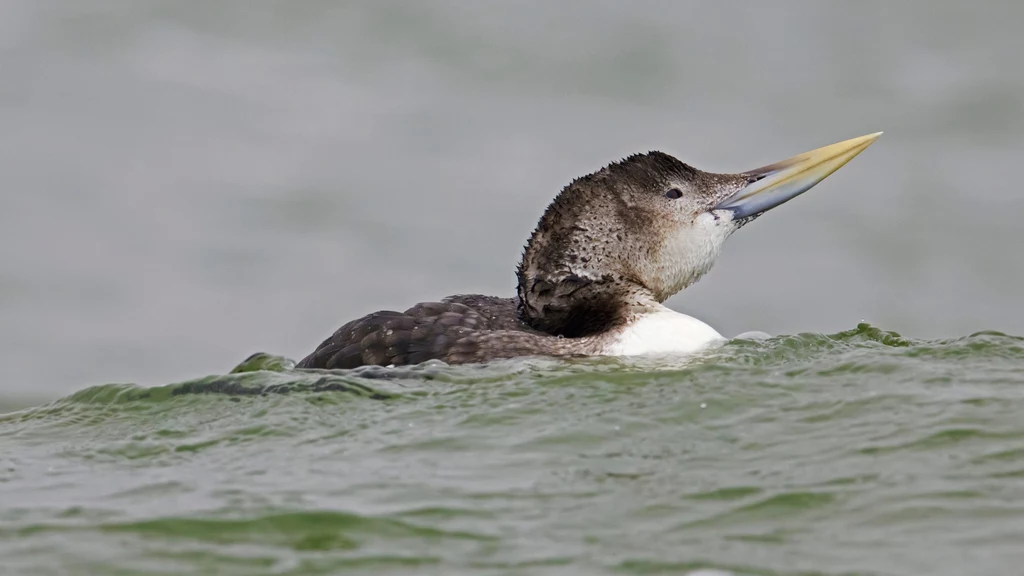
x=674 y=193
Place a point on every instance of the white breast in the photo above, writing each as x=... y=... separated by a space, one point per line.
x=664 y=331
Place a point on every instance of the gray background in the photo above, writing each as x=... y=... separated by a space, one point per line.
x=185 y=183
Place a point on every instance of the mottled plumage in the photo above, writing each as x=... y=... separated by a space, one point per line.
x=457 y=330
x=609 y=249
x=581 y=276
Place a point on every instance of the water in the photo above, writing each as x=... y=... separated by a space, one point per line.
x=861 y=452
x=184 y=184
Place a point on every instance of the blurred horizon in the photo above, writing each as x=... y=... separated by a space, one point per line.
x=187 y=184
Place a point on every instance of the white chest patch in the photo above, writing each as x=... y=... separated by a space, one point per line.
x=664 y=331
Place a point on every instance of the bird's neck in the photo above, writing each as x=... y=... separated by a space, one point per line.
x=622 y=318
x=577 y=306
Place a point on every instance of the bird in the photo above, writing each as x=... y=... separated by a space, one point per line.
x=605 y=255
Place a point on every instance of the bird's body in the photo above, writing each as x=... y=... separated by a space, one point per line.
x=473 y=328
x=606 y=254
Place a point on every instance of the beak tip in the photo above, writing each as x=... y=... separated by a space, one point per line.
x=865 y=140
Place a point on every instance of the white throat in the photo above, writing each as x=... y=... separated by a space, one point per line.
x=664 y=331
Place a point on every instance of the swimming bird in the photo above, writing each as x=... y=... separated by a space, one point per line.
x=606 y=253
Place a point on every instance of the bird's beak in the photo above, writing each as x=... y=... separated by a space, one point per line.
x=776 y=183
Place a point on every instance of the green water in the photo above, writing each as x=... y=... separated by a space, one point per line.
x=862 y=452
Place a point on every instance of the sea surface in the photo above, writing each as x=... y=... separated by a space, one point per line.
x=860 y=452
x=185 y=184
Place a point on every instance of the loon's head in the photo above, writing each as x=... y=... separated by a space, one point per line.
x=640 y=230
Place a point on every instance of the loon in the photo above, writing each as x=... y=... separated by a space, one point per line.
x=607 y=252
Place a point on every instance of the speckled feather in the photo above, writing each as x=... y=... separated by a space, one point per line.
x=459 y=329
x=595 y=262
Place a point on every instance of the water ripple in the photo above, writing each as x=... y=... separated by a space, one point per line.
x=756 y=458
